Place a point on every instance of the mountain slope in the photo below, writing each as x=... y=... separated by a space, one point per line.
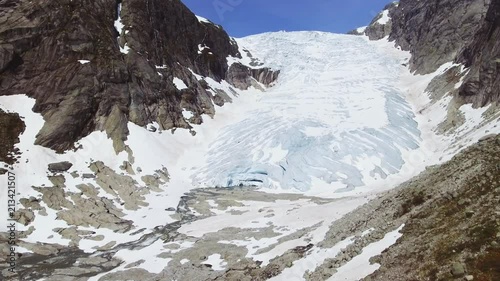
x=95 y=65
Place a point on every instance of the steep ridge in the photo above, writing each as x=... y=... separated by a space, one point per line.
x=437 y=32
x=95 y=65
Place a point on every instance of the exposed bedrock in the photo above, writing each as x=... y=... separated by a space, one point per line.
x=121 y=77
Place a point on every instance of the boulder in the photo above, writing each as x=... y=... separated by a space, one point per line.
x=60 y=167
x=457 y=270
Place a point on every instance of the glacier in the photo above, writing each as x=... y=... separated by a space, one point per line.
x=336 y=114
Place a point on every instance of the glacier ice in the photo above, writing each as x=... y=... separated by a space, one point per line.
x=336 y=114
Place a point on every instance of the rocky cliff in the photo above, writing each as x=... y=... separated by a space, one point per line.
x=95 y=65
x=437 y=32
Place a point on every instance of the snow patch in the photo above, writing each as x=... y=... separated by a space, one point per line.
x=187 y=114
x=201 y=48
x=119 y=27
x=363 y=114
x=179 y=84
x=361 y=29
x=385 y=18
x=216 y=262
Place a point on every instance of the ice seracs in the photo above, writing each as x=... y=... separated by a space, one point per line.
x=343 y=131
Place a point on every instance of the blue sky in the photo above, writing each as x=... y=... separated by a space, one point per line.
x=245 y=17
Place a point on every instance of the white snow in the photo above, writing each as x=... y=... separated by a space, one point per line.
x=125 y=49
x=311 y=262
x=118 y=22
x=385 y=18
x=362 y=115
x=32 y=166
x=289 y=216
x=361 y=29
x=201 y=48
x=120 y=27
x=179 y=84
x=202 y=19
x=359 y=267
x=83 y=61
x=216 y=262
x=187 y=114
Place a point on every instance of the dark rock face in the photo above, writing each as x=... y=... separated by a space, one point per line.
x=42 y=41
x=482 y=55
x=437 y=32
x=11 y=127
x=60 y=167
x=243 y=77
x=376 y=30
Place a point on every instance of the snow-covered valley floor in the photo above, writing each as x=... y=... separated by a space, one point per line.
x=344 y=122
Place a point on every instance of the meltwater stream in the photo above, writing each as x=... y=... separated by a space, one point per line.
x=335 y=117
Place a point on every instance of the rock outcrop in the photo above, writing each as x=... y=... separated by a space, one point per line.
x=243 y=77
x=482 y=56
x=11 y=126
x=95 y=65
x=60 y=166
x=381 y=25
x=437 y=32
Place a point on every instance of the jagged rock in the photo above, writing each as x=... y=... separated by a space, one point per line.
x=377 y=30
x=31 y=203
x=11 y=127
x=88 y=176
x=482 y=55
x=58 y=180
x=122 y=186
x=24 y=216
x=468 y=36
x=243 y=77
x=153 y=181
x=76 y=99
x=60 y=167
x=457 y=270
x=488 y=137
x=163 y=174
